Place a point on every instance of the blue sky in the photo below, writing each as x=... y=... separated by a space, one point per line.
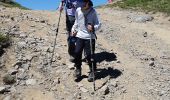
x=49 y=4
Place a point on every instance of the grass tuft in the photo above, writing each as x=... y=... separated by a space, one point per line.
x=147 y=5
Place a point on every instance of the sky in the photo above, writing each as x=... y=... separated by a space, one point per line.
x=49 y=4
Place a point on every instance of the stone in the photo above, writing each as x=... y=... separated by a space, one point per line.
x=18 y=64
x=152 y=59
x=29 y=57
x=13 y=71
x=140 y=18
x=12 y=18
x=9 y=79
x=144 y=18
x=80 y=85
x=22 y=35
x=2 y=90
x=118 y=62
x=56 y=81
x=83 y=89
x=145 y=34
x=50 y=50
x=32 y=26
x=151 y=63
x=71 y=66
x=54 y=88
x=22 y=45
x=113 y=83
x=31 y=82
x=12 y=89
x=105 y=90
x=22 y=76
x=43 y=21
x=26 y=66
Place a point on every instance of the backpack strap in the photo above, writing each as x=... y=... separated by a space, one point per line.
x=85 y=16
x=86 y=21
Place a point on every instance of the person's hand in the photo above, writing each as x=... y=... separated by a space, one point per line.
x=90 y=28
x=60 y=9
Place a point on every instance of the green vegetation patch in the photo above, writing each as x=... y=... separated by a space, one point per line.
x=148 y=5
x=3 y=38
x=13 y=4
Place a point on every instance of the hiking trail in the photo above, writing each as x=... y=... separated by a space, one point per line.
x=132 y=52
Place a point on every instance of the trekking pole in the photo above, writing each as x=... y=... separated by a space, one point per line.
x=92 y=59
x=55 y=38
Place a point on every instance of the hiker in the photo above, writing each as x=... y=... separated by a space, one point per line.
x=85 y=25
x=70 y=7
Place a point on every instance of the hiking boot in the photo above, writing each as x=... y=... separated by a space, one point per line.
x=90 y=77
x=77 y=73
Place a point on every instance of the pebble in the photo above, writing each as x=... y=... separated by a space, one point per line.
x=83 y=89
x=145 y=34
x=151 y=63
x=31 y=82
x=71 y=66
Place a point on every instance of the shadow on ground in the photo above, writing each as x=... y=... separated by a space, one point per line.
x=112 y=73
x=105 y=56
x=1 y=52
x=102 y=73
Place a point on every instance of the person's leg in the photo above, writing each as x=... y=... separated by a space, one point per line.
x=87 y=49
x=71 y=40
x=78 y=57
x=92 y=64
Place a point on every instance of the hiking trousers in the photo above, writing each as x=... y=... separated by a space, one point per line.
x=70 y=40
x=84 y=44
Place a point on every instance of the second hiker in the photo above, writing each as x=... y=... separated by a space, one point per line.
x=70 y=7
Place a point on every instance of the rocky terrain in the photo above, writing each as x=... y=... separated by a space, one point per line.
x=132 y=52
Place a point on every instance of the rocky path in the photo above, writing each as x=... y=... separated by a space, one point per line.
x=132 y=52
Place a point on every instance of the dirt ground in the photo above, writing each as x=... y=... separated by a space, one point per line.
x=133 y=58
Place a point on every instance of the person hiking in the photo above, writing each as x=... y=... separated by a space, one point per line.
x=86 y=23
x=70 y=7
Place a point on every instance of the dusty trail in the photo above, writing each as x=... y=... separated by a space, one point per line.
x=133 y=58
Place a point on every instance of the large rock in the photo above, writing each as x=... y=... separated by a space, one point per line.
x=140 y=18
